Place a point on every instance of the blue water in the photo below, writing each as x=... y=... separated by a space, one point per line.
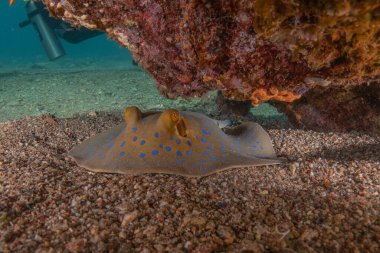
x=31 y=84
x=23 y=45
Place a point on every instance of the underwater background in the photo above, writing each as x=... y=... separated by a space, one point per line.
x=94 y=75
x=22 y=45
x=323 y=197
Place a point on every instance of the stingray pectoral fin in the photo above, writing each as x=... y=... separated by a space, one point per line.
x=90 y=152
x=253 y=140
x=234 y=161
x=260 y=141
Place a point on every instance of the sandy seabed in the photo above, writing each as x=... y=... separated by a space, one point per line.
x=325 y=198
x=67 y=92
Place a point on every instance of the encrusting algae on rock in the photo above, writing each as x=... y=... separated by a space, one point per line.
x=261 y=95
x=246 y=49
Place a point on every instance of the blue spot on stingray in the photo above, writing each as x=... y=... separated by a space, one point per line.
x=161 y=146
x=210 y=148
x=221 y=149
x=205 y=132
x=189 y=143
x=122 y=153
x=179 y=160
x=203 y=140
x=178 y=142
x=122 y=144
x=171 y=138
x=168 y=148
x=193 y=165
x=188 y=152
x=253 y=151
x=224 y=155
x=134 y=138
x=142 y=155
x=142 y=142
x=221 y=144
x=134 y=129
x=206 y=153
x=213 y=158
x=179 y=153
x=154 y=152
x=110 y=145
x=156 y=134
x=219 y=136
x=202 y=161
x=253 y=146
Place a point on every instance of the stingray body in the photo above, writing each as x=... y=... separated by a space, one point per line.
x=173 y=142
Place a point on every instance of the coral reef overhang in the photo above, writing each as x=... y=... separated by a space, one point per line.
x=353 y=108
x=249 y=50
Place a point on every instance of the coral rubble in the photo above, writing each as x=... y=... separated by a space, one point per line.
x=254 y=50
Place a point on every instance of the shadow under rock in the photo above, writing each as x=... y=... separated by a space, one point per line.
x=268 y=122
x=367 y=152
x=273 y=122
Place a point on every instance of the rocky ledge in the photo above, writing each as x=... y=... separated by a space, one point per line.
x=322 y=51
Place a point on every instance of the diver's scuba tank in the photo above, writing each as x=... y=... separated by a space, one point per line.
x=49 y=39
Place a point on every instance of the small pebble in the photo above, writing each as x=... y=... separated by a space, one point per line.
x=76 y=246
x=49 y=204
x=128 y=218
x=226 y=233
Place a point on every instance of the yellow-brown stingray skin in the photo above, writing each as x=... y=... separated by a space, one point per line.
x=132 y=113
x=173 y=142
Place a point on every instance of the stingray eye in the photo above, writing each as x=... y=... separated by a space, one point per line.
x=169 y=119
x=174 y=116
x=132 y=114
x=181 y=128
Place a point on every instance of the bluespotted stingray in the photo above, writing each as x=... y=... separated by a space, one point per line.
x=174 y=142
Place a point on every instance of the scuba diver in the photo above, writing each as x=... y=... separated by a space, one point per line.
x=50 y=30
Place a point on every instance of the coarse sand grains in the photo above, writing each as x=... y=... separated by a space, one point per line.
x=325 y=198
